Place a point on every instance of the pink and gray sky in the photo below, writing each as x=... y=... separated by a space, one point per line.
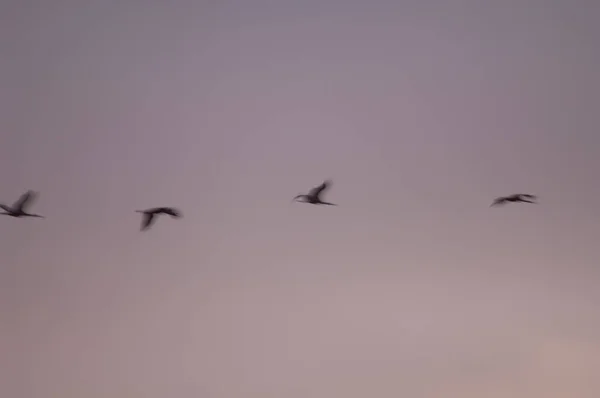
x=421 y=111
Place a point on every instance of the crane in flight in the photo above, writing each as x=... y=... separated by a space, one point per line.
x=519 y=197
x=314 y=195
x=150 y=214
x=19 y=208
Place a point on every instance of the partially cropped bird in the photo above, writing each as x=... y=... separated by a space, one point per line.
x=519 y=197
x=314 y=195
x=19 y=208
x=150 y=214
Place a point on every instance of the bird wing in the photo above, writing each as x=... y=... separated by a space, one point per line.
x=498 y=201
x=527 y=196
x=24 y=201
x=6 y=208
x=171 y=211
x=316 y=191
x=147 y=220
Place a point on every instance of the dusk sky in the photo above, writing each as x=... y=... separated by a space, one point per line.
x=420 y=111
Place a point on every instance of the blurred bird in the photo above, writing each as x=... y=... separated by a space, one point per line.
x=149 y=215
x=19 y=208
x=314 y=195
x=524 y=198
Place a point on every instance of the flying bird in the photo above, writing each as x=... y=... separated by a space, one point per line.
x=150 y=214
x=519 y=197
x=314 y=195
x=19 y=208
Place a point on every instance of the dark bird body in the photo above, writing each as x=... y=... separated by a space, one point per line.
x=314 y=195
x=19 y=208
x=523 y=198
x=150 y=215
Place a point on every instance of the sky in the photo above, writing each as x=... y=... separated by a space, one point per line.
x=420 y=111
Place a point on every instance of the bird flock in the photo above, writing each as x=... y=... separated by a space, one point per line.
x=20 y=208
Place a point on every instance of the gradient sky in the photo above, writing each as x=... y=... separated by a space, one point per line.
x=420 y=111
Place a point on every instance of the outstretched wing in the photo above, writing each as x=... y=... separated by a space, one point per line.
x=171 y=211
x=498 y=201
x=147 y=220
x=317 y=191
x=6 y=208
x=24 y=201
x=527 y=196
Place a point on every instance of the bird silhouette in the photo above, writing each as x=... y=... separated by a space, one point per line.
x=19 y=208
x=314 y=195
x=519 y=197
x=150 y=215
